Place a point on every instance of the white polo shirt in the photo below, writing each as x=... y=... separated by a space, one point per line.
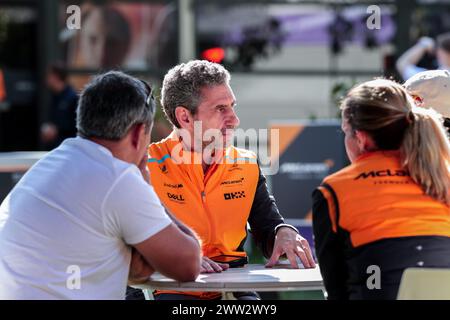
x=66 y=227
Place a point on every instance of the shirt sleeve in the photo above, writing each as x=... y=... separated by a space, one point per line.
x=329 y=247
x=132 y=210
x=264 y=217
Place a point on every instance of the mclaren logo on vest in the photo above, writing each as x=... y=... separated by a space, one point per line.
x=383 y=173
x=173 y=185
x=234 y=195
x=232 y=182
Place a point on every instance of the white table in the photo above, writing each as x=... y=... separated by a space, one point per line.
x=252 y=277
x=19 y=161
x=13 y=165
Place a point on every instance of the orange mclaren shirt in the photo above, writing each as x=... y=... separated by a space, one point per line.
x=216 y=205
x=375 y=198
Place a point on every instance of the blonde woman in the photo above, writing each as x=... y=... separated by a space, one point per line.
x=388 y=210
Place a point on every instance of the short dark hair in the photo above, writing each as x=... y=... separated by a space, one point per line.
x=58 y=69
x=110 y=105
x=443 y=41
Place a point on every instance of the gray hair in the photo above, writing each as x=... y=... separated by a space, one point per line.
x=182 y=85
x=110 y=105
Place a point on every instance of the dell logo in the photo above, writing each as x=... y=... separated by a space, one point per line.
x=177 y=197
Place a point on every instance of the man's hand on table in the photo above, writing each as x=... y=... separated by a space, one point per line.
x=209 y=266
x=289 y=242
x=140 y=270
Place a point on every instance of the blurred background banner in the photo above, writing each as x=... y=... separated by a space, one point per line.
x=275 y=36
x=309 y=151
x=120 y=34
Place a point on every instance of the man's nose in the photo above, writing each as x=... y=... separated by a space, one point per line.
x=234 y=119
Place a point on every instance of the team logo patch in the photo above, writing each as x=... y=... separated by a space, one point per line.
x=382 y=173
x=163 y=168
x=175 y=197
x=232 y=182
x=234 y=195
x=173 y=185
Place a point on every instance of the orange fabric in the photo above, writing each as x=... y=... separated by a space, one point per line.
x=331 y=207
x=216 y=205
x=377 y=199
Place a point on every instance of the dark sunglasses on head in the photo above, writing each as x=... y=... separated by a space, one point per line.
x=150 y=100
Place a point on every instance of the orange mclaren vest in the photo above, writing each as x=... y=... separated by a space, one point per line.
x=216 y=205
x=377 y=199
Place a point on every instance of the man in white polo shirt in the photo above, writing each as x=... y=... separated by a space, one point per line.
x=69 y=227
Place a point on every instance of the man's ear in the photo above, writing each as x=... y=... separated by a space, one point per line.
x=364 y=141
x=136 y=133
x=184 y=117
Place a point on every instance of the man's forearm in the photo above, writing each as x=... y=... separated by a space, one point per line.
x=264 y=217
x=140 y=269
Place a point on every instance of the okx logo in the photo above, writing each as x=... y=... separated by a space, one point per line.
x=234 y=195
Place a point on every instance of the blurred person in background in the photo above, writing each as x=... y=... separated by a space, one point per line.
x=84 y=220
x=105 y=40
x=431 y=89
x=407 y=62
x=389 y=209
x=61 y=121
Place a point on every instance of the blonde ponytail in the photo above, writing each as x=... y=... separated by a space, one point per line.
x=384 y=110
x=426 y=153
